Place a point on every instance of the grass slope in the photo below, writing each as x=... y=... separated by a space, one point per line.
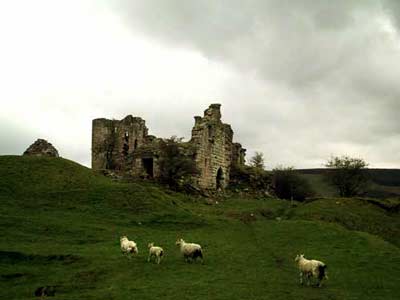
x=60 y=225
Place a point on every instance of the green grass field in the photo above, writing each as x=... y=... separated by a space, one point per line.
x=60 y=226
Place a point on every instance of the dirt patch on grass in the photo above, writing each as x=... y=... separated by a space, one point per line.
x=88 y=279
x=245 y=217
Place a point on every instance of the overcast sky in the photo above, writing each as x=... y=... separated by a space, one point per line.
x=298 y=80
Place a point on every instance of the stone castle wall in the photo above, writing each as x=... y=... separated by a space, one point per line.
x=238 y=154
x=213 y=141
x=124 y=145
x=41 y=147
x=113 y=140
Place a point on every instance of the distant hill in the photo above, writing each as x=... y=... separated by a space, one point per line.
x=384 y=183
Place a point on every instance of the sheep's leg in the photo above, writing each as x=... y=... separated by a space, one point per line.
x=201 y=259
x=308 y=276
x=148 y=258
x=301 y=278
x=158 y=260
x=319 y=284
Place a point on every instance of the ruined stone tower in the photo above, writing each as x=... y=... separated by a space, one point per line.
x=113 y=140
x=213 y=140
x=125 y=146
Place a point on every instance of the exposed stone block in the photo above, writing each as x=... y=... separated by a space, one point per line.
x=41 y=148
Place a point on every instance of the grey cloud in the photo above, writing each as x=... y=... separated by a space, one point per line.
x=335 y=59
x=293 y=41
x=15 y=139
x=392 y=9
x=311 y=78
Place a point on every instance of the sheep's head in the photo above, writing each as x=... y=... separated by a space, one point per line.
x=179 y=242
x=150 y=245
x=298 y=257
x=123 y=238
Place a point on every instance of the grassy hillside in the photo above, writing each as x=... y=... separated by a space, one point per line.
x=60 y=226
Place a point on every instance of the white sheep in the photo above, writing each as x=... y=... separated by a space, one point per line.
x=311 y=268
x=190 y=251
x=128 y=246
x=155 y=251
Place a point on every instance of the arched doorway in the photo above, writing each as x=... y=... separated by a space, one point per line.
x=220 y=179
x=148 y=166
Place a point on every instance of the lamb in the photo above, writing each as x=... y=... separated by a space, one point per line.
x=155 y=251
x=311 y=268
x=190 y=251
x=128 y=246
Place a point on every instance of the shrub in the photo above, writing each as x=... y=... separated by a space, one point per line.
x=251 y=178
x=176 y=163
x=257 y=161
x=288 y=184
x=348 y=175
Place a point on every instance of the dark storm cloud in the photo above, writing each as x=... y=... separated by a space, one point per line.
x=295 y=41
x=325 y=73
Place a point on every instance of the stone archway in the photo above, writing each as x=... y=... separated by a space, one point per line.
x=220 y=179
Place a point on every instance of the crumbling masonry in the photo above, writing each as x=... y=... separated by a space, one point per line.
x=126 y=146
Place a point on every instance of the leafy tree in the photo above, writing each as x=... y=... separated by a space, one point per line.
x=250 y=178
x=348 y=175
x=288 y=184
x=257 y=161
x=176 y=163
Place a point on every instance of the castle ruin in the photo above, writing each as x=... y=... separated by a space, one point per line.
x=125 y=146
